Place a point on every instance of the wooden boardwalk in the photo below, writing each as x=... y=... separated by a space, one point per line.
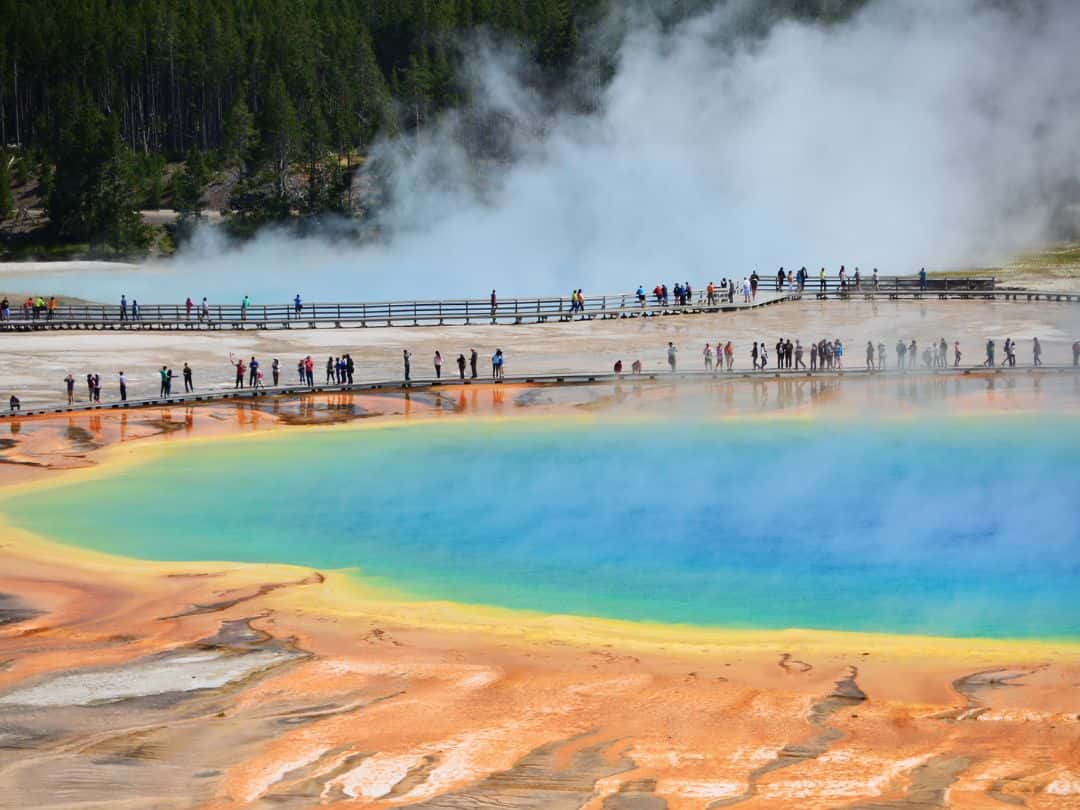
x=174 y=317
x=431 y=384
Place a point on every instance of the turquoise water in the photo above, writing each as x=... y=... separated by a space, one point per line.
x=945 y=526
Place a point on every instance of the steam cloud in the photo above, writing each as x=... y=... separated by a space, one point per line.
x=917 y=133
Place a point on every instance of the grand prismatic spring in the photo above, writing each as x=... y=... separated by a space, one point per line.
x=365 y=444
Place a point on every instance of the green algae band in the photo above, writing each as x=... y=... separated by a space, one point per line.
x=947 y=526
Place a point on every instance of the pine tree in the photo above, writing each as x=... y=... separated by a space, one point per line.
x=7 y=200
x=280 y=130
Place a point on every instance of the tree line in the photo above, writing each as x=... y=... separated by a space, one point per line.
x=98 y=96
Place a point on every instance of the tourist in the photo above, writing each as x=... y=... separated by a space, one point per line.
x=1007 y=351
x=1036 y=352
x=813 y=357
x=298 y=305
x=329 y=370
x=763 y=356
x=780 y=276
x=838 y=350
x=618 y=367
x=51 y=307
x=461 y=366
x=874 y=280
x=922 y=280
x=123 y=308
x=640 y=296
x=913 y=353
x=799 y=355
x=901 y=353
x=754 y=354
x=754 y=280
x=869 y=355
x=187 y=308
x=708 y=356
x=731 y=291
x=729 y=354
x=259 y=380
x=497 y=365
x=438 y=365
x=710 y=293
x=350 y=368
x=746 y=290
x=473 y=358
x=881 y=356
x=300 y=371
x=204 y=311
x=164 y=374
x=956 y=354
x=69 y=382
x=244 y=308
x=168 y=383
x=309 y=371
x=858 y=280
x=275 y=370
x=406 y=357
x=123 y=387
x=89 y=387
x=239 y=373
x=5 y=309
x=97 y=387
x=14 y=405
x=635 y=367
x=822 y=281
x=943 y=353
x=189 y=384
x=989 y=362
x=134 y=310
x=671 y=354
x=1076 y=353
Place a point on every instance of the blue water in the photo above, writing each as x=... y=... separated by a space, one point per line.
x=945 y=526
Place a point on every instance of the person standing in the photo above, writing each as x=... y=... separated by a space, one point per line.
x=329 y=370
x=123 y=307
x=51 y=307
x=309 y=371
x=187 y=308
x=494 y=304
x=881 y=356
x=244 y=308
x=497 y=365
x=822 y=281
x=253 y=371
x=473 y=357
x=239 y=373
x=438 y=365
x=69 y=381
x=298 y=306
x=300 y=371
x=134 y=310
x=406 y=357
x=869 y=355
x=168 y=383
x=89 y=387
x=913 y=354
x=708 y=356
x=461 y=366
x=813 y=356
x=189 y=384
x=163 y=388
x=97 y=387
x=754 y=354
x=956 y=354
x=123 y=387
x=671 y=355
x=922 y=280
x=799 y=355
x=275 y=371
x=989 y=362
x=1036 y=352
x=763 y=356
x=204 y=310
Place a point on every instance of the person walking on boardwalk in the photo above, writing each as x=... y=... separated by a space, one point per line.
x=901 y=353
x=729 y=355
x=437 y=361
x=881 y=356
x=134 y=310
x=1036 y=352
x=754 y=354
x=956 y=354
x=164 y=388
x=869 y=355
x=329 y=370
x=754 y=281
x=187 y=308
x=494 y=304
x=989 y=362
x=123 y=386
x=300 y=371
x=672 y=352
x=309 y=371
x=461 y=366
x=708 y=357
x=405 y=358
x=204 y=310
x=922 y=280
x=799 y=355
x=189 y=384
x=123 y=308
x=259 y=380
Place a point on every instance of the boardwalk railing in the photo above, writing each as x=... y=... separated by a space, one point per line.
x=505 y=311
